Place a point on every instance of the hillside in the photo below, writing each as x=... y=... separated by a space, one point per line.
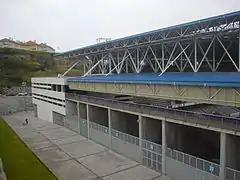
x=17 y=66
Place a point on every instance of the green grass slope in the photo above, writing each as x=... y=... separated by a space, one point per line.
x=19 y=162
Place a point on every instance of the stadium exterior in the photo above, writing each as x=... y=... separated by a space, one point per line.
x=168 y=98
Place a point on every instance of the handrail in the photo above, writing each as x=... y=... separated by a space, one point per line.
x=191 y=113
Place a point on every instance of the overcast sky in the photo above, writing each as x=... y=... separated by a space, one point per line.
x=70 y=24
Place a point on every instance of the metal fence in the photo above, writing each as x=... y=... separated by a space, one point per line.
x=58 y=118
x=200 y=168
x=83 y=127
x=232 y=174
x=152 y=155
x=126 y=145
x=179 y=165
x=73 y=123
x=99 y=133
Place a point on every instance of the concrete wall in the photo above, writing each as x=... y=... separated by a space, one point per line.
x=44 y=110
x=11 y=104
x=49 y=93
x=46 y=99
x=125 y=122
x=15 y=90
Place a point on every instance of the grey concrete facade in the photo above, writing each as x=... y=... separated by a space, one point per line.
x=170 y=135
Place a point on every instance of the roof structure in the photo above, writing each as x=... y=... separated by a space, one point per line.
x=30 y=43
x=220 y=79
x=198 y=24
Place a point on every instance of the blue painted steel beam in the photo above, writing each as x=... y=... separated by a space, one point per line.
x=220 y=79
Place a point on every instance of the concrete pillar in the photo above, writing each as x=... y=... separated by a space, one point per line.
x=140 y=126
x=222 y=172
x=88 y=118
x=63 y=88
x=163 y=147
x=109 y=129
x=78 y=116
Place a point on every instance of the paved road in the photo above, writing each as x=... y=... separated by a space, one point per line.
x=72 y=157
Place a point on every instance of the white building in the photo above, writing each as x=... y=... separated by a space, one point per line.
x=136 y=130
x=9 y=43
x=49 y=97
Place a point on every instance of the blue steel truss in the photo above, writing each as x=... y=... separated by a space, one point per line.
x=207 y=45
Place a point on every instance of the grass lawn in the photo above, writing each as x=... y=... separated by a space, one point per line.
x=19 y=162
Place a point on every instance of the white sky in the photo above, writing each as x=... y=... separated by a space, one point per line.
x=70 y=24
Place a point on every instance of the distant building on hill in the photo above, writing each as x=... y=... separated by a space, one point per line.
x=9 y=43
x=45 y=47
x=29 y=45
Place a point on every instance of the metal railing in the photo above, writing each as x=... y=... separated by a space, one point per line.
x=152 y=155
x=232 y=174
x=73 y=122
x=198 y=163
x=151 y=152
x=125 y=144
x=98 y=127
x=219 y=121
x=125 y=137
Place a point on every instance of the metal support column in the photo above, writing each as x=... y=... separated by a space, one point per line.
x=109 y=129
x=88 y=119
x=140 y=126
x=214 y=56
x=78 y=116
x=195 y=56
x=222 y=172
x=239 y=51
x=163 y=147
x=163 y=63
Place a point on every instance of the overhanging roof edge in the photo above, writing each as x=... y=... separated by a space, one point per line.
x=232 y=14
